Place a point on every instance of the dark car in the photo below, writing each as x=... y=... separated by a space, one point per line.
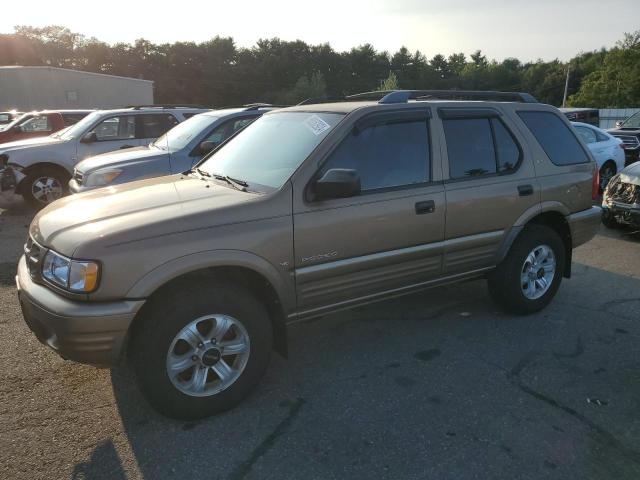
x=621 y=199
x=629 y=132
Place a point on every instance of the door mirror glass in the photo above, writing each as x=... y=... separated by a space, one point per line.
x=90 y=138
x=337 y=183
x=207 y=146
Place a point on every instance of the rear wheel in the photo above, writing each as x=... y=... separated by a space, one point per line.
x=201 y=349
x=43 y=186
x=530 y=275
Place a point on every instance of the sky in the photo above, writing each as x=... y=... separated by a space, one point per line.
x=525 y=29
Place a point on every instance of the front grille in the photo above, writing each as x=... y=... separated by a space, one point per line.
x=34 y=255
x=78 y=177
x=630 y=142
x=622 y=192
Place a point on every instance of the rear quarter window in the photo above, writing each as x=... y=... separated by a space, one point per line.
x=555 y=137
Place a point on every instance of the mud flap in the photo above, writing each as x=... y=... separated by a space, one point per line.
x=9 y=181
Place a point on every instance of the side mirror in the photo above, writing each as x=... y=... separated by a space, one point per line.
x=89 y=138
x=619 y=124
x=337 y=183
x=207 y=146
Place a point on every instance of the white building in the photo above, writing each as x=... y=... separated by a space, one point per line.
x=38 y=88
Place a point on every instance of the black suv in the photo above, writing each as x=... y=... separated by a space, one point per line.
x=629 y=132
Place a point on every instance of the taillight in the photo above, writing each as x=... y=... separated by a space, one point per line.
x=595 y=183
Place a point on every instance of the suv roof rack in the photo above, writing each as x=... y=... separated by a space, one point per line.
x=254 y=106
x=403 y=96
x=165 y=105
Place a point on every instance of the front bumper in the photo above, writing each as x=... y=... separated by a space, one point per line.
x=86 y=332
x=584 y=225
x=623 y=213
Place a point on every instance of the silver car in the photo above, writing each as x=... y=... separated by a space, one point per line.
x=176 y=151
x=39 y=169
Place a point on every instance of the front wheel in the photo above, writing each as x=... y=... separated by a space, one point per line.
x=530 y=275
x=43 y=186
x=199 y=350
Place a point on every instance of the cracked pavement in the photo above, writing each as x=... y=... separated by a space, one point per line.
x=435 y=385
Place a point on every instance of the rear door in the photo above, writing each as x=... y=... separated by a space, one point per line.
x=490 y=182
x=387 y=239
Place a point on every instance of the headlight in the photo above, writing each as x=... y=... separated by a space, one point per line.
x=73 y=275
x=103 y=177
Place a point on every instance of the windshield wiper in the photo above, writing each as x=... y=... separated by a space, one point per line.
x=238 y=184
x=202 y=172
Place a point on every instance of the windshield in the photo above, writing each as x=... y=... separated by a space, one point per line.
x=180 y=135
x=79 y=128
x=632 y=122
x=267 y=152
x=21 y=119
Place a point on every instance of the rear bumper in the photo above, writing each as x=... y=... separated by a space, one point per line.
x=86 y=332
x=584 y=225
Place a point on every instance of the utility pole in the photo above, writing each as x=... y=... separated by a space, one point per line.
x=566 y=87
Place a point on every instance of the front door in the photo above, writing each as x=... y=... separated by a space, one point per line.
x=112 y=133
x=388 y=238
x=491 y=183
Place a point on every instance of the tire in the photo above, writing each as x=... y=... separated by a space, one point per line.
x=506 y=284
x=43 y=185
x=608 y=220
x=157 y=343
x=607 y=171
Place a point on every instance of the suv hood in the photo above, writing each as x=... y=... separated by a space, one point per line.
x=28 y=143
x=631 y=174
x=132 y=211
x=119 y=157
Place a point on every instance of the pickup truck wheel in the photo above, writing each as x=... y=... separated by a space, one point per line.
x=44 y=185
x=200 y=350
x=530 y=275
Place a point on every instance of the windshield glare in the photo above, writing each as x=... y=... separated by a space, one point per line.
x=180 y=135
x=267 y=152
x=75 y=131
x=632 y=122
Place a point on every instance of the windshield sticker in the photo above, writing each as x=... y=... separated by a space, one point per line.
x=316 y=124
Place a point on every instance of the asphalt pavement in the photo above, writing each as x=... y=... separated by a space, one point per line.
x=437 y=385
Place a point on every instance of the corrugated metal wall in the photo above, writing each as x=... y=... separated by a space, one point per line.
x=36 y=88
x=609 y=116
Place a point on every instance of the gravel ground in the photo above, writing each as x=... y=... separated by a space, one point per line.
x=435 y=385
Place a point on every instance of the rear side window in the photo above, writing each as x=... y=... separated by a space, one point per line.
x=555 y=138
x=479 y=146
x=155 y=125
x=39 y=123
x=386 y=154
x=72 y=118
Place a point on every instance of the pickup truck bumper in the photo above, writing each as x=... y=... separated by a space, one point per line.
x=584 y=225
x=86 y=332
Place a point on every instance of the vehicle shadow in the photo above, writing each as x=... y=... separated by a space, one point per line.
x=419 y=384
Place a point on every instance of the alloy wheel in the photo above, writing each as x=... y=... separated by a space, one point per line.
x=538 y=271
x=46 y=189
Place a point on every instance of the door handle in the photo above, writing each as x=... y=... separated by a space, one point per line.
x=428 y=206
x=525 y=190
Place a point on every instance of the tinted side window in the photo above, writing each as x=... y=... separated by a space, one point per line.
x=72 y=118
x=38 y=123
x=386 y=154
x=155 y=124
x=588 y=135
x=555 y=138
x=470 y=147
x=507 y=150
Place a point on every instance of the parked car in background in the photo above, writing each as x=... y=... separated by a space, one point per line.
x=607 y=150
x=621 y=199
x=629 y=132
x=193 y=278
x=41 y=124
x=7 y=117
x=583 y=115
x=176 y=151
x=39 y=169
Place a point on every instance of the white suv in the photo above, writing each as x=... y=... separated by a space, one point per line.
x=39 y=169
